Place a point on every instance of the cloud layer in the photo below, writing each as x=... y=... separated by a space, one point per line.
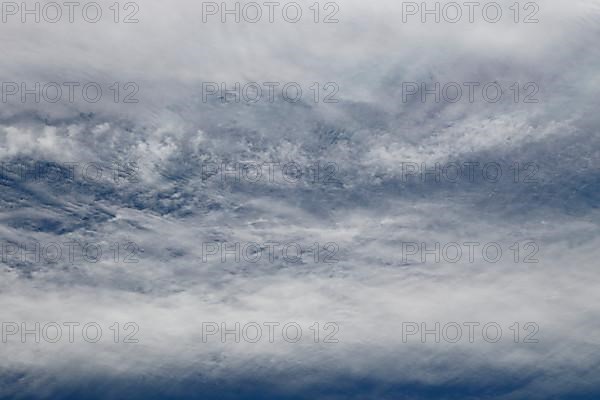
x=150 y=175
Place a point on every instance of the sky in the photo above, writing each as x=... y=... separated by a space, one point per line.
x=300 y=200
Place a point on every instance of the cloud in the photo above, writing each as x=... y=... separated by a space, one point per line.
x=179 y=185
